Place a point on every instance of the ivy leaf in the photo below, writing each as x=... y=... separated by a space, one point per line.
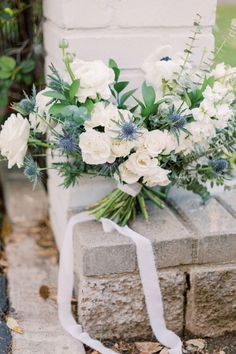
x=149 y=95
x=27 y=66
x=120 y=86
x=125 y=96
x=7 y=63
x=54 y=94
x=74 y=88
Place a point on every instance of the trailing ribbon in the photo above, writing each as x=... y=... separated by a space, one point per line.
x=149 y=279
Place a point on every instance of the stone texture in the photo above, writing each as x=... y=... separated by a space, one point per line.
x=113 y=306
x=213 y=225
x=38 y=318
x=210 y=307
x=100 y=253
x=24 y=206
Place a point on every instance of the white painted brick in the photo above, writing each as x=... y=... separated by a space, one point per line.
x=128 y=49
x=79 y=13
x=128 y=13
x=167 y=13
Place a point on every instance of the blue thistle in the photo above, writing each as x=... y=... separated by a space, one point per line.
x=67 y=143
x=128 y=131
x=167 y=58
x=32 y=171
x=220 y=165
x=177 y=121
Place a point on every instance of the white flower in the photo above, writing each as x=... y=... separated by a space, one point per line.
x=95 y=78
x=159 y=142
x=101 y=115
x=158 y=176
x=218 y=93
x=223 y=73
x=121 y=148
x=127 y=175
x=42 y=107
x=163 y=64
x=205 y=111
x=13 y=139
x=141 y=163
x=95 y=147
x=223 y=114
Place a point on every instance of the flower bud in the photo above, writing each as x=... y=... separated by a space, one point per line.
x=63 y=44
x=68 y=58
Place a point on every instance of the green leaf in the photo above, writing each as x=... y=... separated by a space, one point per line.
x=27 y=66
x=113 y=65
x=120 y=86
x=5 y=74
x=74 y=88
x=187 y=98
x=56 y=108
x=208 y=82
x=89 y=104
x=125 y=96
x=27 y=79
x=7 y=63
x=149 y=95
x=54 y=94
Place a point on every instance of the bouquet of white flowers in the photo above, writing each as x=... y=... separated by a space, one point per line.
x=182 y=131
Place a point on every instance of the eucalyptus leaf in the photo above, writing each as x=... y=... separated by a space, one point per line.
x=149 y=95
x=27 y=66
x=55 y=94
x=74 y=88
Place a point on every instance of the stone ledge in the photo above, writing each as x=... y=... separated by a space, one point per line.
x=199 y=234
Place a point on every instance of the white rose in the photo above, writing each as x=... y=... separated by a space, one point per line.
x=121 y=148
x=95 y=78
x=158 y=176
x=13 y=139
x=127 y=175
x=163 y=64
x=95 y=147
x=101 y=114
x=159 y=142
x=42 y=107
x=141 y=163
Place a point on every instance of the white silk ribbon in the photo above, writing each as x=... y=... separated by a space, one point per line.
x=149 y=279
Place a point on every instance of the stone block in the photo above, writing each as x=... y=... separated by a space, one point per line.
x=113 y=306
x=99 y=253
x=213 y=225
x=210 y=307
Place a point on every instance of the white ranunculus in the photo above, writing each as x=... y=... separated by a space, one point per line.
x=163 y=64
x=121 y=148
x=95 y=147
x=41 y=112
x=141 y=163
x=13 y=139
x=126 y=175
x=157 y=177
x=159 y=142
x=95 y=78
x=102 y=113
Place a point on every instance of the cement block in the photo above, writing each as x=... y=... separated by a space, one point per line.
x=210 y=307
x=99 y=253
x=214 y=226
x=113 y=306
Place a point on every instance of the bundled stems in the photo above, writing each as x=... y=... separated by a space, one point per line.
x=121 y=207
